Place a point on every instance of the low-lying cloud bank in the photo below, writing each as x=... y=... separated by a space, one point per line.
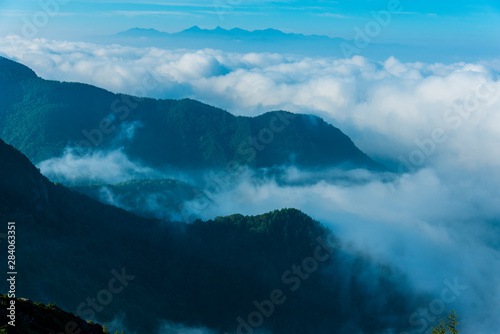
x=408 y=107
x=440 y=230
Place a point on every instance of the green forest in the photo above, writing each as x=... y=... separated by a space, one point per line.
x=208 y=273
x=41 y=118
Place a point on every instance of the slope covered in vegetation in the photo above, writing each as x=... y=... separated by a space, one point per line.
x=202 y=274
x=36 y=318
x=41 y=118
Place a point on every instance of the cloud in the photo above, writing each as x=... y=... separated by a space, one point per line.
x=166 y=327
x=378 y=104
x=111 y=167
x=117 y=324
x=435 y=228
x=172 y=328
x=127 y=130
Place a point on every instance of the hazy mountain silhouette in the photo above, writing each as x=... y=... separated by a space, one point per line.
x=272 y=40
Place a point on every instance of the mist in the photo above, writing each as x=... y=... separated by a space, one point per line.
x=436 y=228
x=172 y=328
x=109 y=167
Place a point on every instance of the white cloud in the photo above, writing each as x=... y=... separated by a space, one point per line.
x=398 y=103
x=434 y=227
x=97 y=167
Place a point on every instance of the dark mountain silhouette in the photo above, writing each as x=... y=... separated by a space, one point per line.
x=100 y=262
x=36 y=318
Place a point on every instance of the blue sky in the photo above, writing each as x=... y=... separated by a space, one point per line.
x=420 y=22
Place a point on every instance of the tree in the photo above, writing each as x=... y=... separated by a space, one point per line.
x=448 y=326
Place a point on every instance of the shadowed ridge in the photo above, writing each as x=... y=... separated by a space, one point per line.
x=34 y=318
x=11 y=70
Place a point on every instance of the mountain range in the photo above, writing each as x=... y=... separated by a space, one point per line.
x=240 y=40
x=103 y=263
x=70 y=129
x=43 y=118
x=218 y=32
x=362 y=43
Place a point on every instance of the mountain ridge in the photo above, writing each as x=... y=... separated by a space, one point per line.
x=14 y=70
x=234 y=32
x=42 y=118
x=288 y=44
x=200 y=274
x=35 y=318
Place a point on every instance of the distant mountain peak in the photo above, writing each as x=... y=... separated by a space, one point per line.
x=238 y=30
x=143 y=29
x=270 y=32
x=142 y=33
x=194 y=29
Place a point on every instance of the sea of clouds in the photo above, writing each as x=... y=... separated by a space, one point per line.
x=378 y=104
x=437 y=125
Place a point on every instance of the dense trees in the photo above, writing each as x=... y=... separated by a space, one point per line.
x=204 y=273
x=41 y=118
x=36 y=318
